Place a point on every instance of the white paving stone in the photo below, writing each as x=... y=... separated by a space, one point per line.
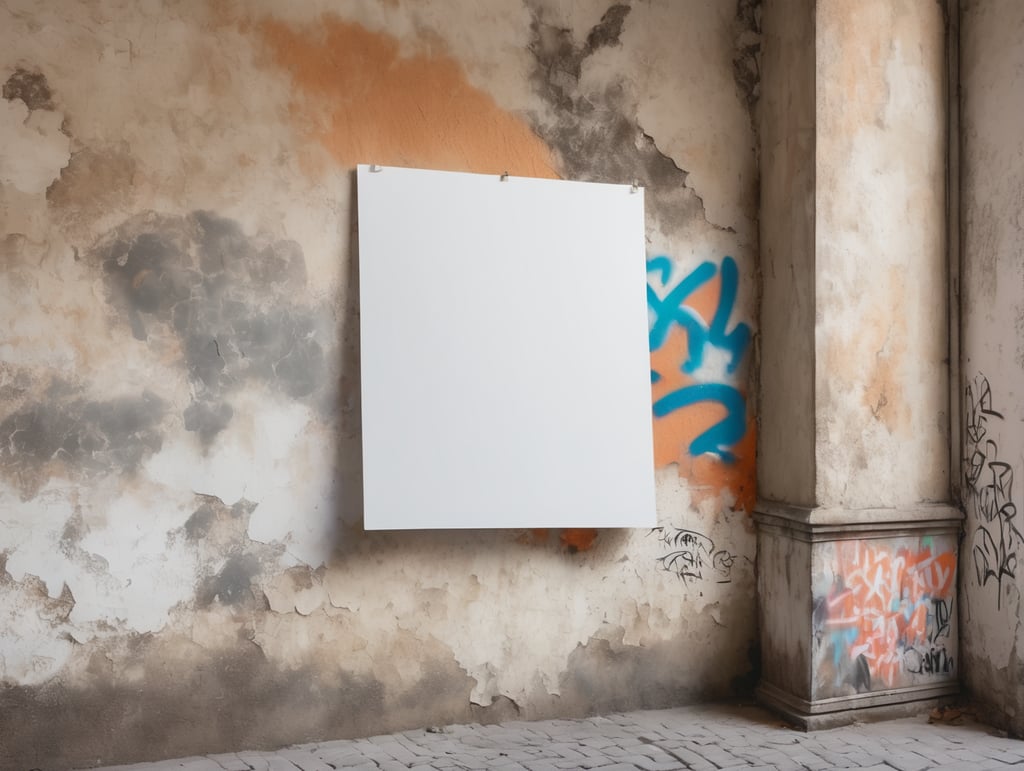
x=703 y=738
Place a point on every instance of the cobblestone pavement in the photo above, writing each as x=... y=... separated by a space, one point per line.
x=701 y=737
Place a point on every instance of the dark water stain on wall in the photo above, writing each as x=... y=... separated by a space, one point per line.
x=227 y=298
x=602 y=677
x=31 y=87
x=181 y=708
x=232 y=585
x=746 y=59
x=78 y=436
x=597 y=135
x=184 y=699
x=207 y=418
x=560 y=60
x=229 y=562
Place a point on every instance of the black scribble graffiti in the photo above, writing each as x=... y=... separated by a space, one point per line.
x=989 y=486
x=938 y=620
x=934 y=661
x=694 y=556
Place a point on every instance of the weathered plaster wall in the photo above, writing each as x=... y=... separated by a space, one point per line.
x=786 y=466
x=184 y=567
x=881 y=407
x=992 y=301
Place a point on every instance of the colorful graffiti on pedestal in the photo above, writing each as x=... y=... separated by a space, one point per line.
x=701 y=416
x=882 y=612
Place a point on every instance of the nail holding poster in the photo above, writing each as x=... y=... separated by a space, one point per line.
x=504 y=352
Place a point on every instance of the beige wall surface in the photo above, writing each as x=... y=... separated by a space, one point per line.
x=854 y=394
x=992 y=300
x=882 y=391
x=184 y=566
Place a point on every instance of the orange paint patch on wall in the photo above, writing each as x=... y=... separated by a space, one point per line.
x=578 y=538
x=534 y=536
x=710 y=477
x=364 y=102
x=573 y=539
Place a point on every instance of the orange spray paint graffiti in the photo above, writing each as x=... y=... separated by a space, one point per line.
x=886 y=614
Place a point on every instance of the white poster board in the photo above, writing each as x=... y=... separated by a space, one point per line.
x=505 y=364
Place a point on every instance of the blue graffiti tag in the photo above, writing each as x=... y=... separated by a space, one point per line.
x=671 y=310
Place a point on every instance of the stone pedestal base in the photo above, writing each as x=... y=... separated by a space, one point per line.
x=857 y=611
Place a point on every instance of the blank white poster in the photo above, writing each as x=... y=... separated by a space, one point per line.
x=505 y=364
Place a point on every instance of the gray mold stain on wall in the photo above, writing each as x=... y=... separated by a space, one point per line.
x=69 y=434
x=230 y=562
x=597 y=134
x=228 y=299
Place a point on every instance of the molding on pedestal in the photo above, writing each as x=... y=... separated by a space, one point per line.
x=837 y=524
x=797 y=550
x=877 y=705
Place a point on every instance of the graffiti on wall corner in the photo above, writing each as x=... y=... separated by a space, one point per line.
x=989 y=492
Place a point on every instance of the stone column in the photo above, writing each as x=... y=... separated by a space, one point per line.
x=857 y=549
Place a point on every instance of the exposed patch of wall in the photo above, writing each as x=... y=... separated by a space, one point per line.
x=992 y=196
x=179 y=421
x=35 y=148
